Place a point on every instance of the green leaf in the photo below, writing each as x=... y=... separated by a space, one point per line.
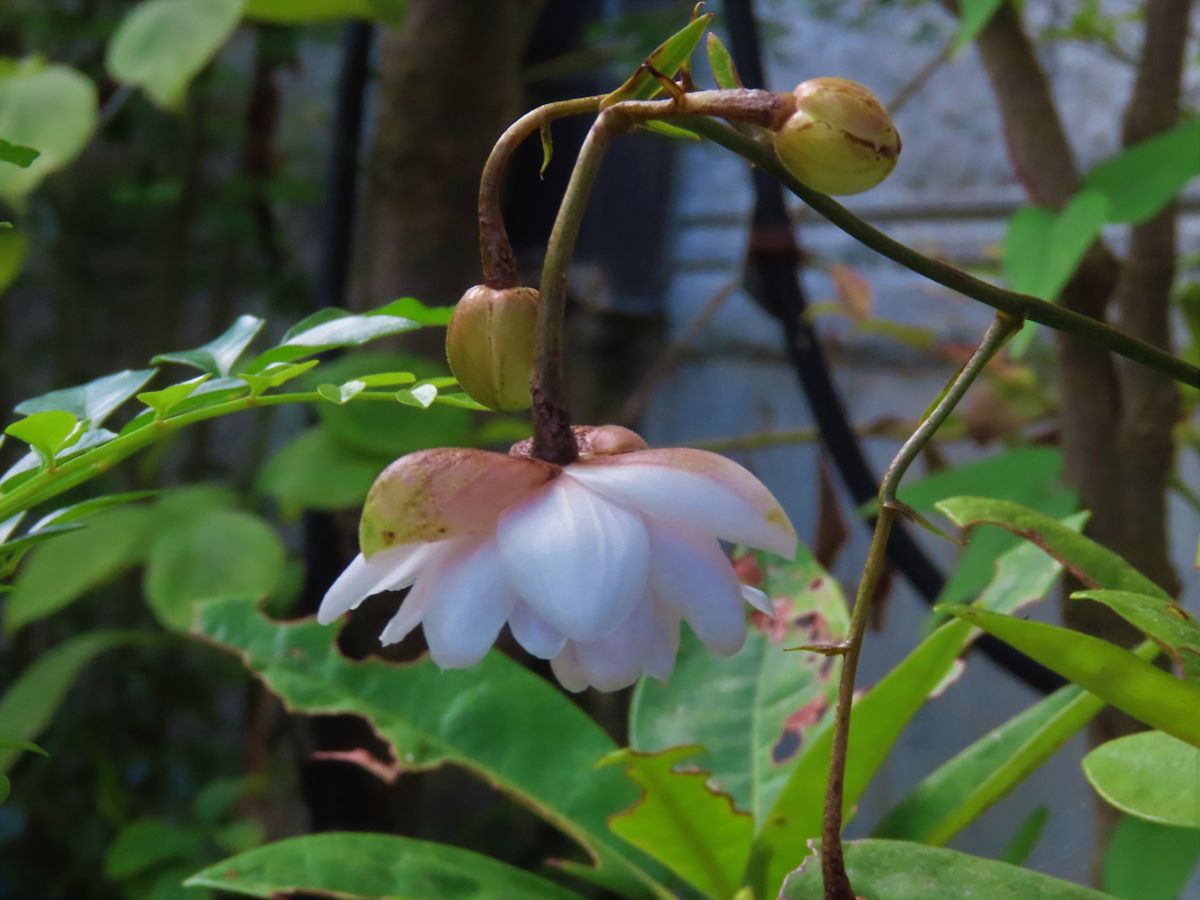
x=316 y=471
x=1140 y=181
x=222 y=554
x=667 y=59
x=1166 y=623
x=161 y=45
x=7 y=743
x=1026 y=839
x=460 y=400
x=341 y=394
x=414 y=309
x=725 y=73
x=1084 y=558
x=666 y=129
x=684 y=823
x=387 y=379
x=1150 y=775
x=1111 y=673
x=275 y=375
x=60 y=571
x=162 y=402
x=46 y=432
x=218 y=357
x=147 y=843
x=50 y=107
x=85 y=508
x=760 y=704
x=17 y=155
x=14 y=246
x=897 y=870
x=975 y=15
x=29 y=702
x=421 y=396
x=299 y=12
x=1145 y=861
x=331 y=328
x=1022 y=575
x=430 y=717
x=94 y=401
x=370 y=866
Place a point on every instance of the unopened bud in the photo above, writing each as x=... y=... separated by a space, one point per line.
x=490 y=345
x=840 y=139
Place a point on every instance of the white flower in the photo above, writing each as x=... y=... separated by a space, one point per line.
x=591 y=565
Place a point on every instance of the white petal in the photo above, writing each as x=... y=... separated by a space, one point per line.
x=696 y=489
x=567 y=670
x=534 y=634
x=469 y=602
x=362 y=578
x=664 y=644
x=578 y=560
x=618 y=659
x=412 y=610
x=406 y=573
x=409 y=616
x=691 y=575
x=758 y=600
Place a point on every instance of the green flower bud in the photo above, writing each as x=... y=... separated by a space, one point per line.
x=840 y=139
x=490 y=345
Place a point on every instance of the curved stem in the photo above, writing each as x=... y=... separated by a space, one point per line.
x=1010 y=302
x=833 y=863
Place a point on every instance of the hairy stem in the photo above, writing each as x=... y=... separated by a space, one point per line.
x=833 y=862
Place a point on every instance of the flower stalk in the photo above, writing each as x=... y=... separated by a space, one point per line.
x=833 y=862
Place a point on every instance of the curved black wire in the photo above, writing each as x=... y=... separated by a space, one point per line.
x=773 y=268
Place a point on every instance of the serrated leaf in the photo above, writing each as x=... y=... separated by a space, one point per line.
x=50 y=107
x=94 y=401
x=666 y=59
x=724 y=72
x=1150 y=775
x=898 y=870
x=1106 y=670
x=161 y=45
x=370 y=866
x=29 y=702
x=429 y=717
x=17 y=155
x=1165 y=622
x=218 y=357
x=681 y=821
x=163 y=401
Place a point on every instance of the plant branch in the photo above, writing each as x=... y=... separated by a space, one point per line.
x=1013 y=304
x=833 y=863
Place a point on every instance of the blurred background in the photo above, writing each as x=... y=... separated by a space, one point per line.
x=336 y=163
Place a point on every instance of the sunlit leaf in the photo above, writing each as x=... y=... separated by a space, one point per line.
x=683 y=822
x=50 y=107
x=429 y=717
x=46 y=432
x=316 y=471
x=897 y=870
x=17 y=155
x=1139 y=181
x=1145 y=861
x=1106 y=670
x=341 y=394
x=60 y=571
x=218 y=357
x=94 y=401
x=29 y=701
x=299 y=12
x=163 y=401
x=387 y=379
x=331 y=328
x=1150 y=775
x=421 y=396
x=762 y=704
x=370 y=866
x=414 y=309
x=161 y=45
x=724 y=71
x=1165 y=622
x=666 y=59
x=275 y=375
x=221 y=554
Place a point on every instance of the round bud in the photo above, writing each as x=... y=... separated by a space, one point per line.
x=840 y=139
x=490 y=345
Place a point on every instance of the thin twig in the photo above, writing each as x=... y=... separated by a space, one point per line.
x=833 y=863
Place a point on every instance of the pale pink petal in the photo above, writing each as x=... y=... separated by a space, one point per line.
x=693 y=488
x=363 y=577
x=409 y=616
x=432 y=495
x=758 y=600
x=568 y=671
x=691 y=575
x=664 y=643
x=578 y=560
x=469 y=602
x=406 y=573
x=534 y=634
x=618 y=659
